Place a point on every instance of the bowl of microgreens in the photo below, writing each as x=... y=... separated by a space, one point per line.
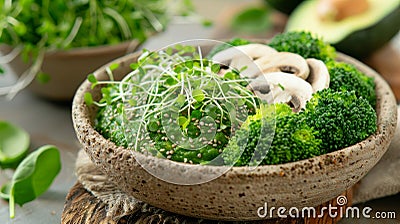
x=54 y=45
x=218 y=130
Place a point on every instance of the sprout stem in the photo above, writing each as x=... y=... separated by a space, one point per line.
x=11 y=202
x=11 y=56
x=74 y=32
x=160 y=79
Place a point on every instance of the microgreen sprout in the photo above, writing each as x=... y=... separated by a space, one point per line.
x=32 y=27
x=175 y=103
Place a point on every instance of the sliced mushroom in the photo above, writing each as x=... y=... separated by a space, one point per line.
x=319 y=75
x=246 y=66
x=223 y=70
x=280 y=87
x=284 y=62
x=254 y=51
x=243 y=56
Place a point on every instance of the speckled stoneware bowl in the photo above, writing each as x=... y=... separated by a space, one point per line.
x=239 y=192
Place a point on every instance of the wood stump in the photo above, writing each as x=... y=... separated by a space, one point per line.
x=81 y=207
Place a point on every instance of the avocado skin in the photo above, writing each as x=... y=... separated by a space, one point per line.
x=361 y=43
x=285 y=6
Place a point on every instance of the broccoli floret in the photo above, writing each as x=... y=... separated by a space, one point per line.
x=346 y=77
x=341 y=118
x=233 y=42
x=304 y=44
x=273 y=138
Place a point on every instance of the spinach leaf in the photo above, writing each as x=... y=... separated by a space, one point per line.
x=14 y=145
x=32 y=177
x=5 y=191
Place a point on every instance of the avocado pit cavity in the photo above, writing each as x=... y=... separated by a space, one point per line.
x=337 y=10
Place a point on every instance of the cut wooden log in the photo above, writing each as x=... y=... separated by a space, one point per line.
x=81 y=207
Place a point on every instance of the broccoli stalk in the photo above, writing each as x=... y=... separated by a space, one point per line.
x=340 y=118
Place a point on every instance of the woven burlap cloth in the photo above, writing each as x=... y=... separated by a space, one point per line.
x=383 y=180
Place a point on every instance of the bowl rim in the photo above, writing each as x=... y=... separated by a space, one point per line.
x=87 y=50
x=386 y=110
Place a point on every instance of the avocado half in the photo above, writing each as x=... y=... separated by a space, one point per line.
x=284 y=6
x=358 y=35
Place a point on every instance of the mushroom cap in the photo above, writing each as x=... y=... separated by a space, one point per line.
x=280 y=87
x=246 y=66
x=319 y=77
x=284 y=62
x=243 y=56
x=253 y=51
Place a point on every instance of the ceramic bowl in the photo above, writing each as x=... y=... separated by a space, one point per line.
x=239 y=192
x=67 y=69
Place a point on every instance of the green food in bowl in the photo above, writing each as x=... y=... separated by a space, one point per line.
x=224 y=192
x=199 y=93
x=172 y=111
x=38 y=37
x=293 y=139
x=305 y=44
x=70 y=24
x=346 y=77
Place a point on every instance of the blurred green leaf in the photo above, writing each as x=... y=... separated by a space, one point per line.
x=198 y=95
x=88 y=99
x=14 y=145
x=252 y=20
x=43 y=78
x=114 y=66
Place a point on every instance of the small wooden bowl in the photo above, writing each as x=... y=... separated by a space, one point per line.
x=239 y=192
